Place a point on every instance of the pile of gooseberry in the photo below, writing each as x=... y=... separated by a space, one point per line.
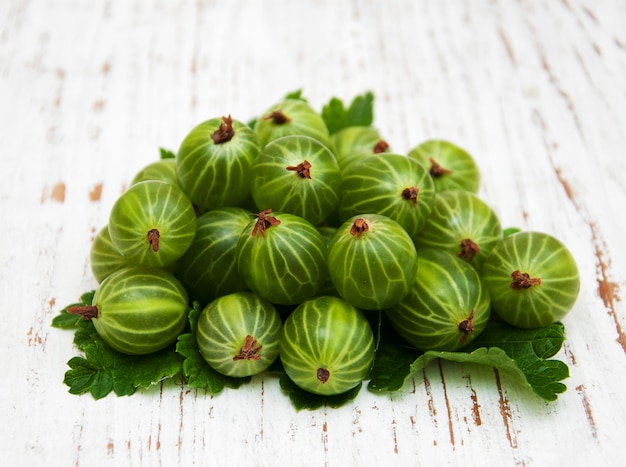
x=289 y=237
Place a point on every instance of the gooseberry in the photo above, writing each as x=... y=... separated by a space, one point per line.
x=138 y=311
x=532 y=279
x=104 y=257
x=291 y=117
x=447 y=306
x=152 y=224
x=238 y=334
x=298 y=175
x=326 y=346
x=282 y=258
x=214 y=160
x=352 y=143
x=372 y=261
x=208 y=269
x=463 y=224
x=163 y=169
x=395 y=186
x=450 y=166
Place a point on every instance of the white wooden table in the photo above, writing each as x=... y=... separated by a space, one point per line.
x=535 y=90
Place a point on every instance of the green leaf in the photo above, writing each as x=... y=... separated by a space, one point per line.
x=81 y=375
x=193 y=316
x=392 y=367
x=198 y=373
x=531 y=349
x=297 y=94
x=103 y=370
x=65 y=320
x=252 y=123
x=166 y=154
x=85 y=334
x=492 y=356
x=302 y=399
x=359 y=113
x=510 y=231
x=392 y=360
x=195 y=369
x=144 y=371
x=521 y=354
x=87 y=297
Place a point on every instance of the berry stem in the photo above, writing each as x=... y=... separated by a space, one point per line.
x=469 y=249
x=358 y=227
x=153 y=238
x=467 y=327
x=85 y=311
x=248 y=351
x=522 y=280
x=323 y=375
x=436 y=170
x=381 y=146
x=278 y=117
x=411 y=193
x=302 y=169
x=225 y=132
x=264 y=222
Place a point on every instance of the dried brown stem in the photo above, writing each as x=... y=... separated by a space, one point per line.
x=436 y=170
x=467 y=327
x=302 y=169
x=469 y=249
x=381 y=146
x=411 y=194
x=249 y=350
x=225 y=132
x=358 y=227
x=323 y=375
x=278 y=117
x=85 y=311
x=522 y=280
x=264 y=222
x=153 y=239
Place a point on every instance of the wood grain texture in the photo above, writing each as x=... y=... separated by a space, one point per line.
x=89 y=91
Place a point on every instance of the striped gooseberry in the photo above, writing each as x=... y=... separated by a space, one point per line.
x=104 y=258
x=450 y=166
x=372 y=261
x=238 y=334
x=282 y=258
x=213 y=162
x=447 y=306
x=326 y=346
x=355 y=142
x=163 y=169
x=462 y=224
x=291 y=117
x=138 y=311
x=395 y=186
x=298 y=175
x=208 y=269
x=532 y=278
x=328 y=232
x=152 y=224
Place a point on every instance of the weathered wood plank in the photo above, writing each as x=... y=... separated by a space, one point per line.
x=91 y=90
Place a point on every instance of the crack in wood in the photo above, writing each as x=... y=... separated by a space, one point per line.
x=580 y=389
x=505 y=411
x=448 y=405
x=608 y=290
